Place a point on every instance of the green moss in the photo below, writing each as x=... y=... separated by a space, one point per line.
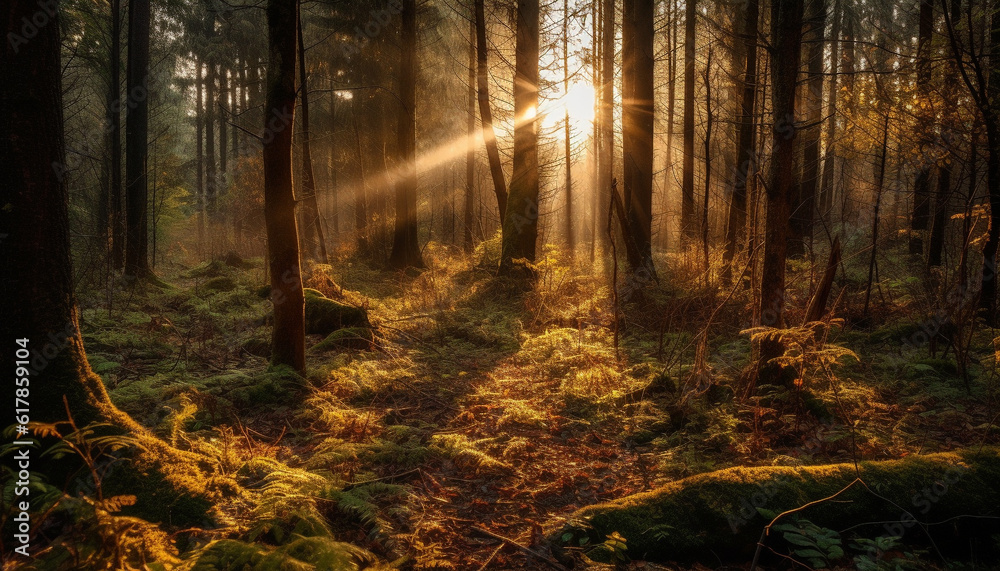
x=360 y=338
x=324 y=316
x=219 y=284
x=212 y=269
x=259 y=346
x=157 y=500
x=715 y=513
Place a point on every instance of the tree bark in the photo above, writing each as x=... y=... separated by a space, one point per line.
x=288 y=335
x=746 y=142
x=637 y=132
x=606 y=115
x=804 y=204
x=520 y=221
x=211 y=179
x=223 y=125
x=786 y=40
x=567 y=137
x=830 y=154
x=468 y=213
x=314 y=239
x=988 y=291
x=199 y=119
x=117 y=221
x=405 y=248
x=136 y=141
x=38 y=300
x=921 y=214
x=485 y=114
x=688 y=226
x=942 y=195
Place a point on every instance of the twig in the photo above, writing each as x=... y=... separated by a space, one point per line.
x=552 y=562
x=492 y=555
x=767 y=528
x=388 y=478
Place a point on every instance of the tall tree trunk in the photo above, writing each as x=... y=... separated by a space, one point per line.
x=470 y=152
x=746 y=142
x=211 y=178
x=38 y=302
x=199 y=119
x=288 y=335
x=117 y=220
x=991 y=118
x=786 y=44
x=361 y=189
x=668 y=170
x=223 y=124
x=921 y=214
x=942 y=195
x=688 y=226
x=708 y=166
x=595 y=159
x=879 y=186
x=405 y=248
x=567 y=138
x=637 y=131
x=234 y=110
x=848 y=57
x=136 y=141
x=520 y=220
x=786 y=39
x=485 y=114
x=314 y=239
x=331 y=162
x=830 y=154
x=606 y=166
x=804 y=205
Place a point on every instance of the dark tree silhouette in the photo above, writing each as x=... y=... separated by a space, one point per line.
x=637 y=130
x=288 y=336
x=405 y=249
x=520 y=221
x=136 y=141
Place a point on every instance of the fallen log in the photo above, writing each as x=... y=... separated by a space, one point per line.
x=713 y=516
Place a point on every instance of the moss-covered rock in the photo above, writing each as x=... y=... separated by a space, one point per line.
x=257 y=346
x=219 y=284
x=234 y=260
x=716 y=514
x=324 y=316
x=274 y=386
x=212 y=269
x=361 y=338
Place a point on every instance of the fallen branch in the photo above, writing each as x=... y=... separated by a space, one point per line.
x=552 y=562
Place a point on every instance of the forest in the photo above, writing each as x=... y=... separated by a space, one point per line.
x=485 y=284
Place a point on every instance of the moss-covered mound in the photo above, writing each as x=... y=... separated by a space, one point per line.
x=361 y=338
x=324 y=316
x=716 y=514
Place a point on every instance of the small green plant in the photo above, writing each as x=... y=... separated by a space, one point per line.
x=616 y=544
x=876 y=556
x=817 y=545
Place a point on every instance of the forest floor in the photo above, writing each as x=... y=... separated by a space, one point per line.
x=483 y=417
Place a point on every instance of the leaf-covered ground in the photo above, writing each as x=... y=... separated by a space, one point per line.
x=484 y=416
